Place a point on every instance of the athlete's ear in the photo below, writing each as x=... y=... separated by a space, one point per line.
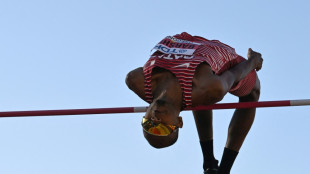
x=180 y=122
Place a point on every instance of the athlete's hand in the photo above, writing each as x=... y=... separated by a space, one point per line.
x=256 y=58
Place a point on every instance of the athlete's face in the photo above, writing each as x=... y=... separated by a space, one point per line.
x=162 y=112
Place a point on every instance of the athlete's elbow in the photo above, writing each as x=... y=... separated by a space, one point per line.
x=134 y=78
x=129 y=80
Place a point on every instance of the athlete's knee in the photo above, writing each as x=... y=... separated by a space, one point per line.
x=254 y=94
x=256 y=90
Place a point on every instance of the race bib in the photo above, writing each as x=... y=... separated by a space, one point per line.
x=172 y=45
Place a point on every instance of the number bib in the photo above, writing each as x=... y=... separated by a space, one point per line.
x=172 y=45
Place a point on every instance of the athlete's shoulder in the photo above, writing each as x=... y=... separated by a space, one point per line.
x=135 y=82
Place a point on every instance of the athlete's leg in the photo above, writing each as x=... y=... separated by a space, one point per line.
x=239 y=127
x=203 y=120
x=242 y=120
x=204 y=126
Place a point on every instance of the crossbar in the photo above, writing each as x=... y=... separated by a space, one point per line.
x=119 y=110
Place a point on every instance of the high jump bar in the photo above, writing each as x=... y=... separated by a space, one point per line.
x=118 y=110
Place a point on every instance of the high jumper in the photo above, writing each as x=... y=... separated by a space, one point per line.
x=187 y=71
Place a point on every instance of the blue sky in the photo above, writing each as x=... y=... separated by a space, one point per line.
x=75 y=54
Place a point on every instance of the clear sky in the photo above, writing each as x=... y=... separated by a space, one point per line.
x=66 y=54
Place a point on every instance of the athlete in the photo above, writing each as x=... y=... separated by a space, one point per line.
x=187 y=71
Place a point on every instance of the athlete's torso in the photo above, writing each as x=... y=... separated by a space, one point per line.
x=181 y=55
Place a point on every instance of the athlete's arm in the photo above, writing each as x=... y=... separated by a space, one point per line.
x=241 y=70
x=135 y=82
